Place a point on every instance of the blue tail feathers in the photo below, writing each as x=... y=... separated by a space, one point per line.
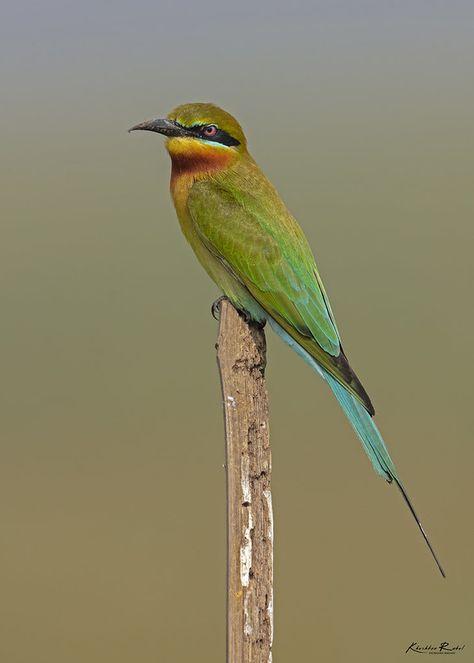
x=366 y=430
x=364 y=426
x=360 y=419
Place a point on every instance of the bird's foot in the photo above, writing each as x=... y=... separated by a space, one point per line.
x=259 y=324
x=216 y=310
x=216 y=307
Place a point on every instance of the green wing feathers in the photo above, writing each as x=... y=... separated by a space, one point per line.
x=265 y=249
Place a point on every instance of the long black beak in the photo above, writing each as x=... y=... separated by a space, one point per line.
x=165 y=127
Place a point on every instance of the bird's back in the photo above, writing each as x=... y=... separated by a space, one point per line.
x=241 y=220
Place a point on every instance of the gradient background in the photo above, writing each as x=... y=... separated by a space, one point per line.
x=112 y=487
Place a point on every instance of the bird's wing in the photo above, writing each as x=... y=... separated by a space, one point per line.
x=272 y=258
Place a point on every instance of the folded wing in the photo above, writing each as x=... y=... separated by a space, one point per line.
x=268 y=253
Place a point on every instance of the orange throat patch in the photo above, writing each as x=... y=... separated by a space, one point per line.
x=195 y=159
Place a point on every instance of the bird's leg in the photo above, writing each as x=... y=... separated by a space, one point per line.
x=259 y=324
x=216 y=307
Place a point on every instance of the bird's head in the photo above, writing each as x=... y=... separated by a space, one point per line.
x=199 y=136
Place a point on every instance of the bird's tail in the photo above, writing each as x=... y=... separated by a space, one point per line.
x=367 y=431
x=373 y=443
x=364 y=426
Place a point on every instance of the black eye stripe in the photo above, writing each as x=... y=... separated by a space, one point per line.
x=220 y=136
x=224 y=138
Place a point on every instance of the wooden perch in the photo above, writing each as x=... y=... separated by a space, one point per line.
x=241 y=357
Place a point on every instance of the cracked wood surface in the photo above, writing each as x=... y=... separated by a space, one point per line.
x=241 y=357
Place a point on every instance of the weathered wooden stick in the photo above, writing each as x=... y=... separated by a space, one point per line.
x=241 y=356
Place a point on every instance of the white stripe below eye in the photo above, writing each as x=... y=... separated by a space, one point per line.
x=214 y=142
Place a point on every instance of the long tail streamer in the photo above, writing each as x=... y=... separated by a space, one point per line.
x=373 y=443
x=364 y=426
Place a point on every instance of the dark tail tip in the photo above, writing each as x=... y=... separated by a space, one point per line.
x=420 y=526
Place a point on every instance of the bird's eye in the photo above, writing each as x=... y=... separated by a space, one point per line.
x=210 y=130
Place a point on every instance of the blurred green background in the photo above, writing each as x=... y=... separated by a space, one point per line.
x=112 y=487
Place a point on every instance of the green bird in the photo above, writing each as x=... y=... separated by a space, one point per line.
x=255 y=251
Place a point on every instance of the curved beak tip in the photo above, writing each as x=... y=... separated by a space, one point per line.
x=161 y=126
x=137 y=127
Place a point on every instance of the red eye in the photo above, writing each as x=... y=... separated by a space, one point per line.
x=210 y=130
